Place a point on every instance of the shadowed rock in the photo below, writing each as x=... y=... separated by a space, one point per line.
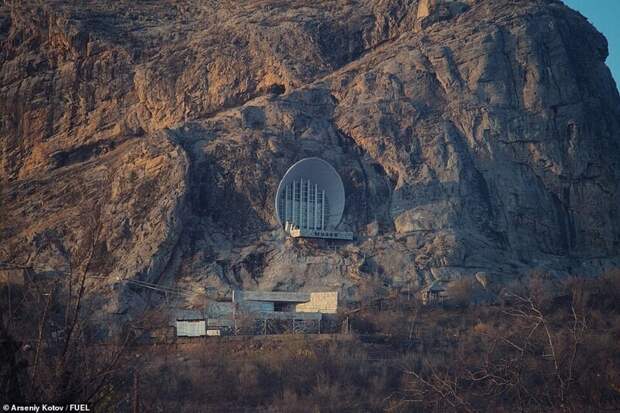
x=472 y=137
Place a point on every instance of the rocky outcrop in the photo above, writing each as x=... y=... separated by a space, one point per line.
x=473 y=137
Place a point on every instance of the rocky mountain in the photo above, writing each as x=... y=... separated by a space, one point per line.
x=473 y=137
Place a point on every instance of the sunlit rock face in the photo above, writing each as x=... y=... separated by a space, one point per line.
x=471 y=137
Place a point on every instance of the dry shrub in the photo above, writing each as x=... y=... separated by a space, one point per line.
x=482 y=328
x=534 y=353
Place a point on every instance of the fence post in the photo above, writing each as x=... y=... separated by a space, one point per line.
x=135 y=402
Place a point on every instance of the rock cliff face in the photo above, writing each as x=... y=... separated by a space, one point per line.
x=472 y=137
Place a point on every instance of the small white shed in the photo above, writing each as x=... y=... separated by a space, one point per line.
x=193 y=328
x=190 y=323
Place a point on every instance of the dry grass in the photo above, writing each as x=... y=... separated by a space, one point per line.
x=539 y=352
x=530 y=351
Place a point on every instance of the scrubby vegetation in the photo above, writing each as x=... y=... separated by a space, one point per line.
x=541 y=345
x=544 y=345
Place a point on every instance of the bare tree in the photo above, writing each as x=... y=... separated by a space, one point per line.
x=66 y=365
x=532 y=364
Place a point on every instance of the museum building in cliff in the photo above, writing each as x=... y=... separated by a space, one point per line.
x=310 y=201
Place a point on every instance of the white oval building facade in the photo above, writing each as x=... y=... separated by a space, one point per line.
x=310 y=200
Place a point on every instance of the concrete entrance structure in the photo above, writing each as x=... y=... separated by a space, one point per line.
x=310 y=200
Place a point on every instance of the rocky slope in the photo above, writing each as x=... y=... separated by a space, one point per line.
x=477 y=137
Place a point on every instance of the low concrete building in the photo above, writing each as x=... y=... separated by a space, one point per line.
x=257 y=312
x=324 y=303
x=276 y=311
x=286 y=302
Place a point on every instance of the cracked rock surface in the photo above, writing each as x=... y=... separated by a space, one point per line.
x=473 y=137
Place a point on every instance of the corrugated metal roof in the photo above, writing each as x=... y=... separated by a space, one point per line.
x=188 y=314
x=282 y=315
x=275 y=296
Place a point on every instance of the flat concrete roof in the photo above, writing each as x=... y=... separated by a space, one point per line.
x=273 y=296
x=286 y=315
x=181 y=314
